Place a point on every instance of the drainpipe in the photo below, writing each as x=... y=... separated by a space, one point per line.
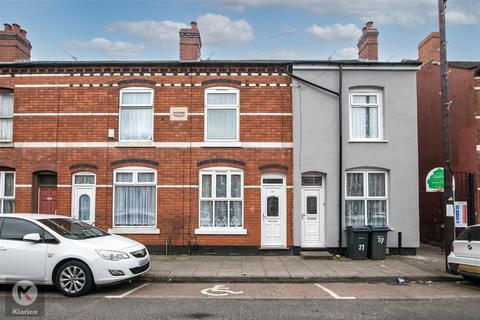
x=340 y=156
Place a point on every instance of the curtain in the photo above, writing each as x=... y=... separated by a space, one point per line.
x=6 y=129
x=8 y=206
x=221 y=214
x=364 y=99
x=355 y=184
x=136 y=123
x=9 y=184
x=84 y=208
x=136 y=98
x=376 y=185
x=124 y=177
x=221 y=99
x=221 y=186
x=377 y=212
x=135 y=205
x=206 y=186
x=206 y=213
x=222 y=124
x=364 y=122
x=84 y=179
x=236 y=186
x=146 y=177
x=355 y=213
x=235 y=213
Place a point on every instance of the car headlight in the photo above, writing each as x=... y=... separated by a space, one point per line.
x=112 y=255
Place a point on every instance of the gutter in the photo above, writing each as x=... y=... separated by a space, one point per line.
x=340 y=141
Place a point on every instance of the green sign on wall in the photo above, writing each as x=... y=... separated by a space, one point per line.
x=435 y=180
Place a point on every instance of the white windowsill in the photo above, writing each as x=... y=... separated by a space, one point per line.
x=134 y=230
x=368 y=141
x=135 y=144
x=221 y=144
x=226 y=231
x=6 y=144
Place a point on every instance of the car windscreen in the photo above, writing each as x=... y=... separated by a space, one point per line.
x=72 y=229
x=470 y=234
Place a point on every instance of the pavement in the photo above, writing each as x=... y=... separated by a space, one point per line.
x=427 y=265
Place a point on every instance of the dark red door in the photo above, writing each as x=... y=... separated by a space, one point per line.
x=47 y=200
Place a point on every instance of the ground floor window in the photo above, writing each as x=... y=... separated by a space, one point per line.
x=7 y=191
x=221 y=198
x=366 y=201
x=135 y=197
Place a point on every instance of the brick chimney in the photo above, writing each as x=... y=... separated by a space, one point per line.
x=14 y=45
x=429 y=48
x=368 y=43
x=190 y=43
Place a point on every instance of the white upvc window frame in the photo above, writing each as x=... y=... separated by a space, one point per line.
x=235 y=107
x=8 y=117
x=380 y=113
x=135 y=170
x=122 y=105
x=2 y=189
x=214 y=171
x=365 y=196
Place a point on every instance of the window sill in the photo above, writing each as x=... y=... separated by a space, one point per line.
x=6 y=144
x=220 y=231
x=221 y=144
x=368 y=141
x=134 y=230
x=135 y=144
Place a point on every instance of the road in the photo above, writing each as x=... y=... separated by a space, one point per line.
x=265 y=301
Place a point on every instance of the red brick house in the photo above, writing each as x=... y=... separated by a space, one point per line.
x=166 y=152
x=464 y=92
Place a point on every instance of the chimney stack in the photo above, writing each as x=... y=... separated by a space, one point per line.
x=14 y=45
x=368 y=43
x=429 y=48
x=190 y=43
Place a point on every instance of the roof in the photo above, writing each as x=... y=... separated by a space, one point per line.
x=53 y=64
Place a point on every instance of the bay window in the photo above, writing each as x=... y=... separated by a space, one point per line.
x=366 y=115
x=136 y=114
x=221 y=198
x=366 y=200
x=7 y=191
x=222 y=114
x=135 y=197
x=6 y=116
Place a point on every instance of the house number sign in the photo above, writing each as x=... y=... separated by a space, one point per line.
x=178 y=114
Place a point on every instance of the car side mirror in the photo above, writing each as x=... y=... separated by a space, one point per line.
x=32 y=237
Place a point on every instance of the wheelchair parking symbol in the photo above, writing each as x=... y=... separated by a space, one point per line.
x=219 y=290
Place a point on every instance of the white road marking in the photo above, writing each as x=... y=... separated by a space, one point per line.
x=128 y=292
x=222 y=289
x=333 y=294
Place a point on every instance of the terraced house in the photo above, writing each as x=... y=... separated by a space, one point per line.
x=178 y=154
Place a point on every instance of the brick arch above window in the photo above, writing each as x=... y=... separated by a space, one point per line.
x=221 y=161
x=136 y=83
x=45 y=167
x=8 y=164
x=222 y=82
x=121 y=162
x=273 y=167
x=77 y=167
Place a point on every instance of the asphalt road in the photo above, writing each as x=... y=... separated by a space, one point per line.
x=263 y=301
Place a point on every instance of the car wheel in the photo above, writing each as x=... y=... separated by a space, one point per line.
x=74 y=279
x=471 y=279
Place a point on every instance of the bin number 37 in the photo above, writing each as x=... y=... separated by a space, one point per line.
x=380 y=239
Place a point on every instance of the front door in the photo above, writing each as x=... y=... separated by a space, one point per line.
x=84 y=204
x=47 y=200
x=274 y=214
x=313 y=230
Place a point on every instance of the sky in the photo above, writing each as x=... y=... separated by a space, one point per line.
x=238 y=29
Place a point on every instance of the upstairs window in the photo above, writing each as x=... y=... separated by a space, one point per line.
x=7 y=191
x=6 y=116
x=366 y=200
x=222 y=109
x=366 y=115
x=136 y=114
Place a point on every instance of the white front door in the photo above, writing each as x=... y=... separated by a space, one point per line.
x=313 y=217
x=84 y=203
x=274 y=227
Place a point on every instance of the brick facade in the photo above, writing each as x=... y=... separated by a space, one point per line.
x=63 y=112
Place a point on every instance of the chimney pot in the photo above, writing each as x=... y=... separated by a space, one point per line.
x=193 y=24
x=368 y=43
x=7 y=27
x=16 y=27
x=23 y=33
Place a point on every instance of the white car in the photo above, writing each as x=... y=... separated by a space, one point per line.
x=70 y=254
x=464 y=259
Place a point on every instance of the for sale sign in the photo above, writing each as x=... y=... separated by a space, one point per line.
x=461 y=214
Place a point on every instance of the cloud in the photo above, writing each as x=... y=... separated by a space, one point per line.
x=107 y=47
x=346 y=54
x=219 y=29
x=279 y=54
x=155 y=33
x=335 y=32
x=409 y=13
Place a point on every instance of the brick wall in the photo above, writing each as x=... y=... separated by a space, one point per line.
x=52 y=112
